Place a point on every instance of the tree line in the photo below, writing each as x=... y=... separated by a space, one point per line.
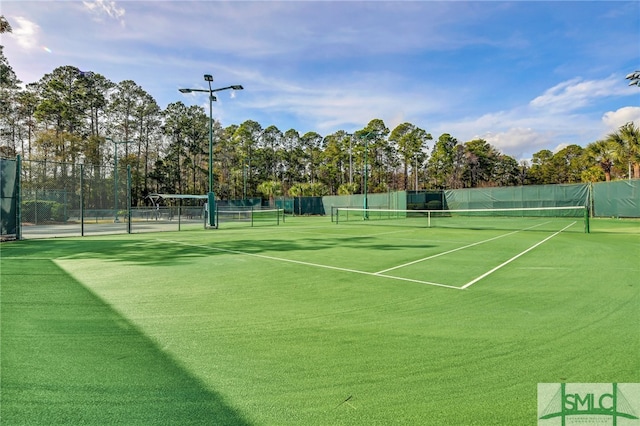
x=71 y=116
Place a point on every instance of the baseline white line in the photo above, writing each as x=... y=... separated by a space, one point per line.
x=454 y=250
x=317 y=265
x=415 y=281
x=470 y=283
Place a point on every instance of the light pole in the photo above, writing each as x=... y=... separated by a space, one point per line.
x=115 y=177
x=350 y=135
x=416 y=187
x=244 y=178
x=211 y=196
x=366 y=136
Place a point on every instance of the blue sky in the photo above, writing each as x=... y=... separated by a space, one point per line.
x=525 y=76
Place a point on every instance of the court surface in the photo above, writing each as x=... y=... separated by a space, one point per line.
x=315 y=323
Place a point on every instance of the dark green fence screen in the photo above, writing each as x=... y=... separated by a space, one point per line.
x=619 y=198
x=9 y=199
x=388 y=200
x=425 y=200
x=518 y=197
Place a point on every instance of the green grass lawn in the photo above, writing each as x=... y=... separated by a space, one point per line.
x=298 y=324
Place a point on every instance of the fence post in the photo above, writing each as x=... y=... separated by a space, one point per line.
x=18 y=198
x=82 y=200
x=128 y=199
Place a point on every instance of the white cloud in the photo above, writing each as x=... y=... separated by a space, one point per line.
x=25 y=32
x=614 y=119
x=524 y=130
x=347 y=102
x=549 y=120
x=109 y=8
x=312 y=66
x=577 y=93
x=519 y=142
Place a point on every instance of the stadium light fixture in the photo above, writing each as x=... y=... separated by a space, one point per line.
x=634 y=78
x=211 y=196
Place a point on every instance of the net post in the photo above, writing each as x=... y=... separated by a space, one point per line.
x=587 y=229
x=252 y=216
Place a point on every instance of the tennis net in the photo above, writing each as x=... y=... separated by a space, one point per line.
x=546 y=219
x=249 y=215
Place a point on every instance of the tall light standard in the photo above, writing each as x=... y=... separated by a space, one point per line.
x=244 y=178
x=115 y=177
x=209 y=78
x=366 y=136
x=350 y=135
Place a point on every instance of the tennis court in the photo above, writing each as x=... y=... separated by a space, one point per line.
x=423 y=256
x=316 y=322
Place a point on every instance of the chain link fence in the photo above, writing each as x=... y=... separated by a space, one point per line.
x=62 y=199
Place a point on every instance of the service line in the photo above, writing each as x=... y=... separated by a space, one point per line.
x=472 y=282
x=454 y=250
x=317 y=265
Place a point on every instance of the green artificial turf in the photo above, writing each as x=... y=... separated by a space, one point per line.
x=68 y=358
x=290 y=325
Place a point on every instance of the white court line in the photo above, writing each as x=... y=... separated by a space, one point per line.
x=442 y=254
x=317 y=265
x=381 y=273
x=470 y=283
x=414 y=281
x=456 y=249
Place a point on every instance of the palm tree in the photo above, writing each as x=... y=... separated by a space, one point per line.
x=347 y=188
x=298 y=190
x=630 y=135
x=604 y=153
x=270 y=189
x=627 y=142
x=5 y=27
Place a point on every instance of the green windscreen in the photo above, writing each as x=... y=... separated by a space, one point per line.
x=545 y=219
x=619 y=198
x=387 y=200
x=8 y=198
x=518 y=197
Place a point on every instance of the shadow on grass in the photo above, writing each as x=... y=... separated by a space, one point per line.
x=163 y=251
x=68 y=358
